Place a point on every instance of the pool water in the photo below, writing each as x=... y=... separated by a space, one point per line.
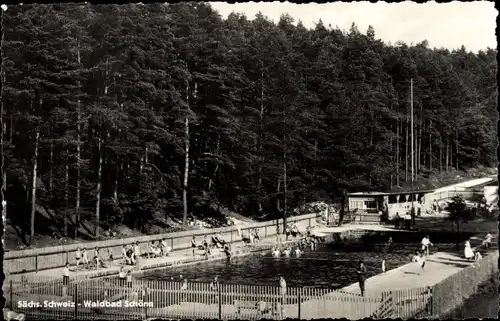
x=332 y=266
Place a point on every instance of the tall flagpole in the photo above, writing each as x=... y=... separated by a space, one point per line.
x=412 y=142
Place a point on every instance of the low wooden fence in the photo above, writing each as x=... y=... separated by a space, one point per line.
x=55 y=257
x=115 y=299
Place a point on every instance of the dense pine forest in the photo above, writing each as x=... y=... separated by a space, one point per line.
x=135 y=113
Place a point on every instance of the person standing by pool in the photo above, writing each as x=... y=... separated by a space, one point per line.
x=137 y=253
x=282 y=290
x=397 y=218
x=85 y=258
x=419 y=258
x=214 y=286
x=66 y=274
x=122 y=275
x=129 y=279
x=362 y=277
x=487 y=240
x=426 y=243
x=407 y=220
x=383 y=266
x=78 y=257
x=65 y=279
x=193 y=244
x=468 y=253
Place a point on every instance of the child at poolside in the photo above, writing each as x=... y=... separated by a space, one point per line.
x=122 y=275
x=137 y=253
x=130 y=255
x=78 y=257
x=426 y=243
x=110 y=255
x=165 y=249
x=152 y=250
x=129 y=279
x=419 y=258
x=256 y=236
x=193 y=244
x=66 y=274
x=85 y=258
x=227 y=250
x=487 y=240
x=362 y=277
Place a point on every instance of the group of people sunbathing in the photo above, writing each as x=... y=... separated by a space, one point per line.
x=82 y=257
x=159 y=249
x=252 y=237
x=216 y=242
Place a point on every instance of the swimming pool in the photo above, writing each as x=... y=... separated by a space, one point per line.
x=332 y=266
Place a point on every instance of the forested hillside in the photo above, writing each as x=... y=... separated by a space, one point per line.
x=133 y=113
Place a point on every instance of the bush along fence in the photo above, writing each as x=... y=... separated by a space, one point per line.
x=115 y=299
x=32 y=260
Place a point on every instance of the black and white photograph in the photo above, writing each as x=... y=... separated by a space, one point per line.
x=247 y=161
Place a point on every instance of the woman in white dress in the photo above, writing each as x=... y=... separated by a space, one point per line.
x=468 y=253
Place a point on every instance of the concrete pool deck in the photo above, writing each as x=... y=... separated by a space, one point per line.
x=438 y=267
x=175 y=258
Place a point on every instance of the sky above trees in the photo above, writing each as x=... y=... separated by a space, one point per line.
x=449 y=25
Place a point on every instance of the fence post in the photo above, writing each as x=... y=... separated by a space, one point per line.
x=67 y=257
x=220 y=301
x=431 y=302
x=144 y=294
x=75 y=299
x=299 y=301
x=11 y=290
x=172 y=243
x=36 y=263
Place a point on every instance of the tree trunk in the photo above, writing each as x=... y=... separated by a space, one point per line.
x=278 y=189
x=78 y=155
x=186 y=174
x=51 y=172
x=217 y=166
x=285 y=198
x=407 y=158
x=98 y=188
x=415 y=153
x=430 y=146
x=441 y=144
x=115 y=191
x=447 y=154
x=33 y=188
x=66 y=188
x=2 y=159
x=397 y=153
x=456 y=140
x=261 y=138
x=420 y=158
